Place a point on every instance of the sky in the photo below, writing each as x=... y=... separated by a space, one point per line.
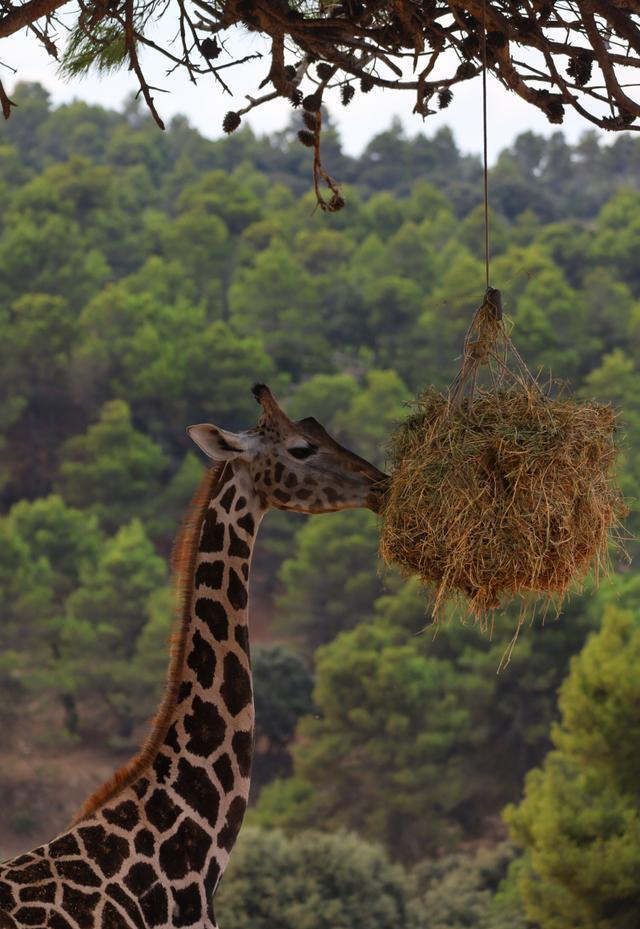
x=205 y=104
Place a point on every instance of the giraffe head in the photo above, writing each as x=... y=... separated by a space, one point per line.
x=294 y=465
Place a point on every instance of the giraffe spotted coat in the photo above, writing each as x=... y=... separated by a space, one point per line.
x=149 y=849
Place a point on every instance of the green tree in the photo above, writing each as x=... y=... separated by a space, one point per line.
x=348 y=321
x=199 y=241
x=492 y=716
x=148 y=668
x=567 y=243
x=579 y=822
x=616 y=380
x=464 y=891
x=282 y=683
x=171 y=505
x=276 y=296
x=311 y=881
x=411 y=250
x=112 y=470
x=60 y=537
x=49 y=252
x=514 y=175
x=446 y=316
x=106 y=206
x=384 y=213
x=382 y=756
x=322 y=251
x=46 y=547
x=617 y=239
x=611 y=309
x=105 y=618
x=25 y=132
x=330 y=582
x=38 y=409
x=225 y=195
x=551 y=326
x=74 y=129
x=324 y=396
x=511 y=693
x=471 y=233
x=373 y=413
x=393 y=305
x=428 y=201
x=327 y=256
x=146 y=341
x=23 y=591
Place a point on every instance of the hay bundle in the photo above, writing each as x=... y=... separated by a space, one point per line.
x=501 y=491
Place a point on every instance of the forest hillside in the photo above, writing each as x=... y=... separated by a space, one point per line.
x=147 y=280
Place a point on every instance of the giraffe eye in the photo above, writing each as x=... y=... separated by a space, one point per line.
x=303 y=451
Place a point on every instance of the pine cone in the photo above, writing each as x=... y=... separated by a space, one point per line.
x=346 y=94
x=231 y=121
x=579 y=69
x=466 y=70
x=295 y=97
x=313 y=102
x=210 y=48
x=307 y=138
x=310 y=120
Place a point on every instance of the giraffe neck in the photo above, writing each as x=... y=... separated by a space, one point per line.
x=149 y=850
x=206 y=753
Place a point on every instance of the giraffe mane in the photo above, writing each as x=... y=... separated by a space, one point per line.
x=183 y=558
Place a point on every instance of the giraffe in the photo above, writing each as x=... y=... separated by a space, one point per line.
x=148 y=849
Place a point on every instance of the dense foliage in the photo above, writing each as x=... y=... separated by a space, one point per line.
x=146 y=281
x=579 y=820
x=309 y=881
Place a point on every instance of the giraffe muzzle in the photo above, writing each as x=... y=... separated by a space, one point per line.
x=377 y=493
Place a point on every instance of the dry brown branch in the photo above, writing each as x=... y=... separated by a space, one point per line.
x=132 y=52
x=22 y=15
x=554 y=55
x=336 y=201
x=5 y=102
x=45 y=40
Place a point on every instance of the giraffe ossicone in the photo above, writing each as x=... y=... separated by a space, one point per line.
x=148 y=849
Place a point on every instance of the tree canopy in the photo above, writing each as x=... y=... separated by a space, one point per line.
x=579 y=822
x=310 y=881
x=353 y=48
x=180 y=271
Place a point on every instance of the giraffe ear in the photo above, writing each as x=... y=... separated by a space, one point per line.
x=218 y=443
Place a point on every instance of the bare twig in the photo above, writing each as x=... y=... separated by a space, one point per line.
x=336 y=202
x=45 y=40
x=5 y=102
x=130 y=42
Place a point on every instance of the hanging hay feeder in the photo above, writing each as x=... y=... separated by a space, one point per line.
x=503 y=490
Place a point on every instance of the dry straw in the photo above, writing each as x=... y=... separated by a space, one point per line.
x=501 y=490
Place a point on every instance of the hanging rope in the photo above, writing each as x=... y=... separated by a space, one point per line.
x=487 y=254
x=486 y=328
